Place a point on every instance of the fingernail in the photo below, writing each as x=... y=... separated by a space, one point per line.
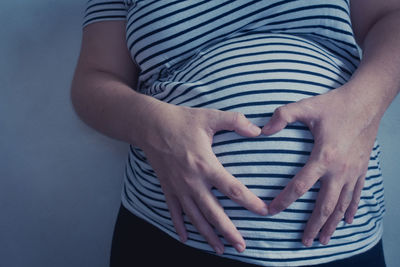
x=255 y=129
x=349 y=220
x=272 y=211
x=264 y=211
x=266 y=127
x=307 y=242
x=239 y=247
x=324 y=240
x=182 y=238
x=218 y=250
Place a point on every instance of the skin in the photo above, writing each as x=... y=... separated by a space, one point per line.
x=102 y=96
x=180 y=151
x=344 y=123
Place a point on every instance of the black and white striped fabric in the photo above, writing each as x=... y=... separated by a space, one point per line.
x=251 y=57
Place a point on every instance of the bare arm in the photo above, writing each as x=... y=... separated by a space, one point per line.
x=102 y=89
x=344 y=122
x=377 y=30
x=176 y=139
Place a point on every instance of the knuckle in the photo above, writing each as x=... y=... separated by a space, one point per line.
x=198 y=193
x=235 y=191
x=211 y=118
x=342 y=207
x=326 y=210
x=358 y=168
x=353 y=207
x=328 y=155
x=236 y=117
x=299 y=187
x=202 y=228
x=212 y=217
x=363 y=168
x=196 y=164
x=187 y=181
x=281 y=112
x=345 y=166
x=201 y=165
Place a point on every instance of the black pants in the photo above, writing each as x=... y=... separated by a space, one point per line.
x=138 y=243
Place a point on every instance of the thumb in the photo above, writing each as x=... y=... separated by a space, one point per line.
x=282 y=116
x=235 y=121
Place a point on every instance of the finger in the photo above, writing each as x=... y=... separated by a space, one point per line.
x=337 y=215
x=200 y=223
x=214 y=213
x=297 y=187
x=234 y=121
x=282 y=116
x=353 y=207
x=235 y=190
x=325 y=204
x=175 y=210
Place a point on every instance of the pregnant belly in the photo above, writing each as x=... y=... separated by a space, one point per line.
x=254 y=74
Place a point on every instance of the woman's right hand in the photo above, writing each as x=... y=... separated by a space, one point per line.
x=177 y=144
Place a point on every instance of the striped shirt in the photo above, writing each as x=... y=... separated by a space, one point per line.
x=250 y=57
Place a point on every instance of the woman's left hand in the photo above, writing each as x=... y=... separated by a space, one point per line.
x=344 y=134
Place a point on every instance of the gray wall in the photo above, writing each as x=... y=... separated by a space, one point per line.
x=60 y=180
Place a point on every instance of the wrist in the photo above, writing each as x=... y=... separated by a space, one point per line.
x=145 y=114
x=363 y=103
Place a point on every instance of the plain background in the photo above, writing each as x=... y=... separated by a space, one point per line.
x=60 y=180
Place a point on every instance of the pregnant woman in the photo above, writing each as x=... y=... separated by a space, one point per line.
x=251 y=125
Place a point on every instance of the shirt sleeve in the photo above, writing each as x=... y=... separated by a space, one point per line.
x=104 y=10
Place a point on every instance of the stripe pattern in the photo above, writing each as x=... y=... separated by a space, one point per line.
x=251 y=57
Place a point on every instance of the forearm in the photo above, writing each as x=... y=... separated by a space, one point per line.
x=377 y=80
x=110 y=106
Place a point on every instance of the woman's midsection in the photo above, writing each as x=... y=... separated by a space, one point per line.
x=255 y=74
